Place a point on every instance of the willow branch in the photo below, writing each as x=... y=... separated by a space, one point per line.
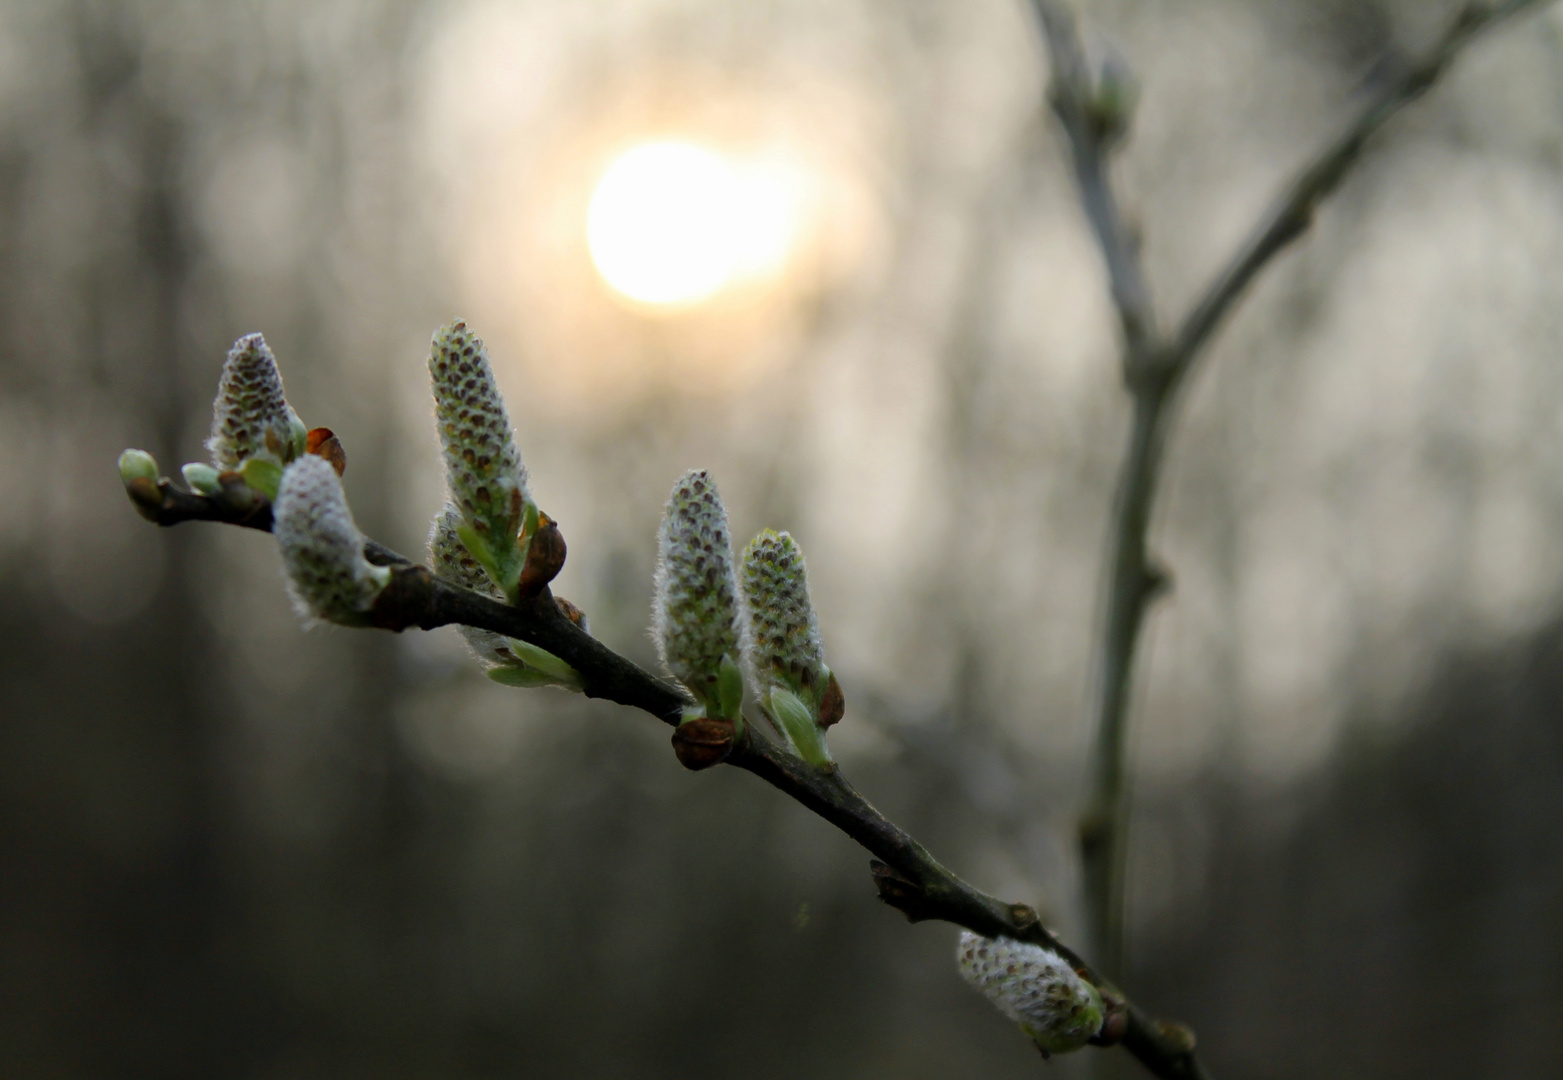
x=1292 y=213
x=1070 y=92
x=1153 y=370
x=907 y=876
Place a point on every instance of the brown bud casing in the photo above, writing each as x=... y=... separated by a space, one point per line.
x=1115 y=1016
x=832 y=703
x=905 y=896
x=544 y=557
x=322 y=442
x=702 y=743
x=571 y=612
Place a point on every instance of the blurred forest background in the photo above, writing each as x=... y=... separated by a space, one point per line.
x=232 y=847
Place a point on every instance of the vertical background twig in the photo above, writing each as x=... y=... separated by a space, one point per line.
x=1154 y=370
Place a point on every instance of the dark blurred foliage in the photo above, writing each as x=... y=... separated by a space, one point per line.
x=1398 y=915
x=226 y=848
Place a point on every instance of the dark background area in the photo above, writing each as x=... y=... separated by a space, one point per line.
x=230 y=846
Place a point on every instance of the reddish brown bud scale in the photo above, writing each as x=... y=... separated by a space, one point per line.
x=544 y=557
x=832 y=703
x=703 y=743
x=322 y=442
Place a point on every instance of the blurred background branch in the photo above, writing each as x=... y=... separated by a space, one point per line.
x=1153 y=370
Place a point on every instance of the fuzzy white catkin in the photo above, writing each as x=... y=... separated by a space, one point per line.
x=251 y=417
x=695 y=613
x=322 y=549
x=483 y=468
x=1034 y=987
x=785 y=645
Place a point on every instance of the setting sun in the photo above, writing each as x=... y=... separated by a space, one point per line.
x=672 y=223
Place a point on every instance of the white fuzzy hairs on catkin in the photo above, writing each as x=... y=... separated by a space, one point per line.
x=1033 y=986
x=322 y=549
x=696 y=618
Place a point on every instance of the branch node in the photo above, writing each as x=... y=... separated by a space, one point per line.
x=1156 y=581
x=904 y=895
x=406 y=601
x=1095 y=830
x=1025 y=917
x=1115 y=1021
x=1178 y=1038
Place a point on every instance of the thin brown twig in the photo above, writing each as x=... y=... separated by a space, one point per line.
x=1153 y=369
x=1292 y=213
x=1069 y=92
x=908 y=877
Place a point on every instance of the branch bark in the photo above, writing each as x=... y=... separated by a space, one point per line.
x=1154 y=368
x=908 y=877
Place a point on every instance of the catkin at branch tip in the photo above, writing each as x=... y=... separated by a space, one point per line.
x=695 y=613
x=322 y=549
x=1034 y=987
x=251 y=417
x=785 y=643
x=483 y=467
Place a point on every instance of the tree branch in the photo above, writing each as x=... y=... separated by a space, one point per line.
x=1292 y=213
x=907 y=875
x=1153 y=370
x=1072 y=96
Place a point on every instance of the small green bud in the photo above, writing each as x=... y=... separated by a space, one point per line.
x=798 y=721
x=730 y=687
x=1114 y=97
x=483 y=468
x=202 y=478
x=695 y=608
x=137 y=465
x=138 y=472
x=322 y=549
x=1035 y=988
x=555 y=670
x=251 y=418
x=523 y=678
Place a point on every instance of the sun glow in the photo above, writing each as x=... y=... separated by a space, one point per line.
x=672 y=223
